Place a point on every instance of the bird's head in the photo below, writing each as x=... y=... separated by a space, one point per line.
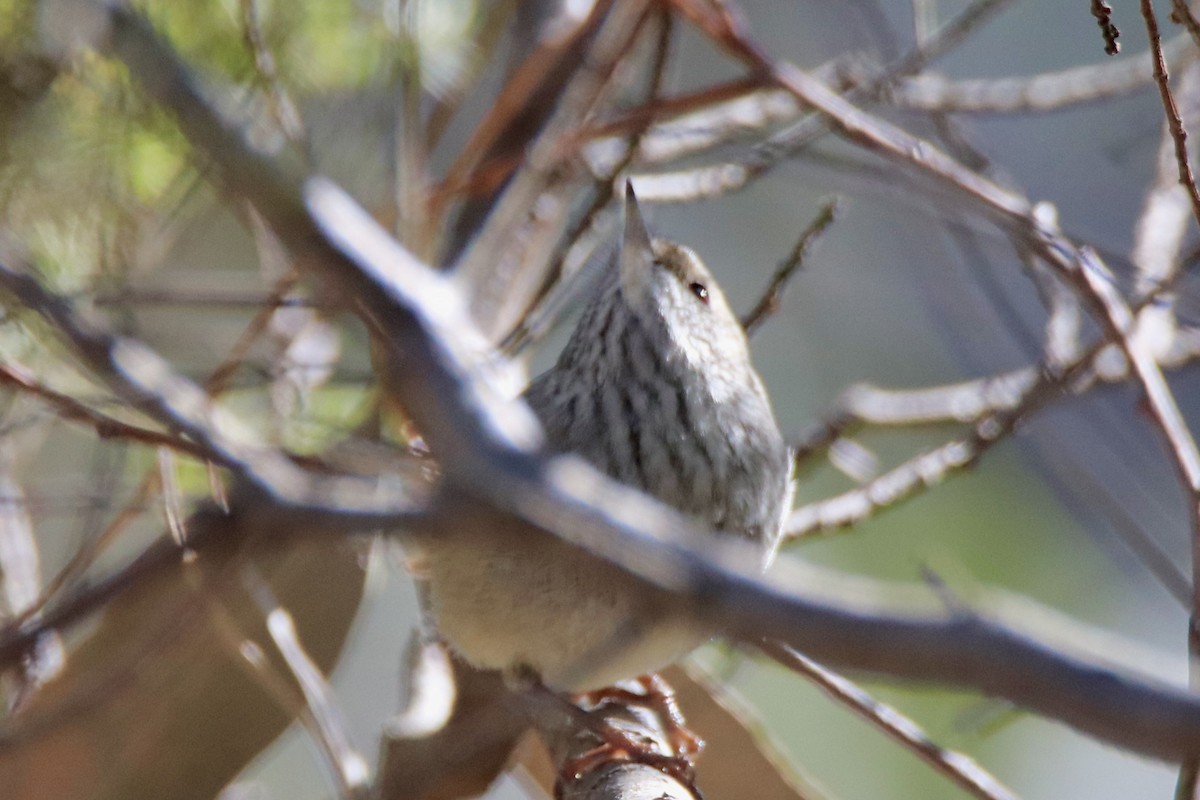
x=672 y=293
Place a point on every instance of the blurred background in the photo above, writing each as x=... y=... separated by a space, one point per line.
x=102 y=195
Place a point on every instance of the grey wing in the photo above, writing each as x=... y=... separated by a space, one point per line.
x=774 y=537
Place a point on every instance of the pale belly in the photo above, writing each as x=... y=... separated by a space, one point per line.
x=579 y=623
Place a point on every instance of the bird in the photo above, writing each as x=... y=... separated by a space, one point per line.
x=655 y=387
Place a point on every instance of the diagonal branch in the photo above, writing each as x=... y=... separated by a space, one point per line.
x=961 y=769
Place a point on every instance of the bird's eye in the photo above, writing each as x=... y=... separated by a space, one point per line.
x=701 y=291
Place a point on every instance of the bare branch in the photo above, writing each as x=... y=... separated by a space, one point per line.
x=1182 y=15
x=946 y=38
x=1102 y=11
x=105 y=426
x=960 y=769
x=1186 y=177
x=1049 y=91
x=768 y=303
x=21 y=591
x=282 y=108
x=351 y=770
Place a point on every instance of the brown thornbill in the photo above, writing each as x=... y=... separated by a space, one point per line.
x=655 y=388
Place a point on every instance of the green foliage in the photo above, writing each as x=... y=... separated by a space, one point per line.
x=330 y=46
x=316 y=47
x=92 y=169
x=208 y=38
x=17 y=24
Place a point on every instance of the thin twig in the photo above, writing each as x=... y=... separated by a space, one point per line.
x=957 y=767
x=1186 y=177
x=219 y=380
x=866 y=404
x=21 y=590
x=891 y=488
x=411 y=175
x=1102 y=11
x=172 y=498
x=1134 y=533
x=68 y=408
x=724 y=121
x=1044 y=92
x=769 y=302
x=1163 y=407
x=329 y=726
x=1162 y=226
x=87 y=553
x=1182 y=15
x=283 y=110
x=1021 y=395
x=1040 y=93
x=514 y=97
x=924 y=15
x=660 y=109
x=203 y=299
x=948 y=36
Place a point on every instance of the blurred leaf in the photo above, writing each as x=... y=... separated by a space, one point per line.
x=155 y=702
x=16 y=22
x=333 y=45
x=154 y=164
x=211 y=40
x=330 y=413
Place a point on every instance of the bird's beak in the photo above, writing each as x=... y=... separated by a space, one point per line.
x=637 y=256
